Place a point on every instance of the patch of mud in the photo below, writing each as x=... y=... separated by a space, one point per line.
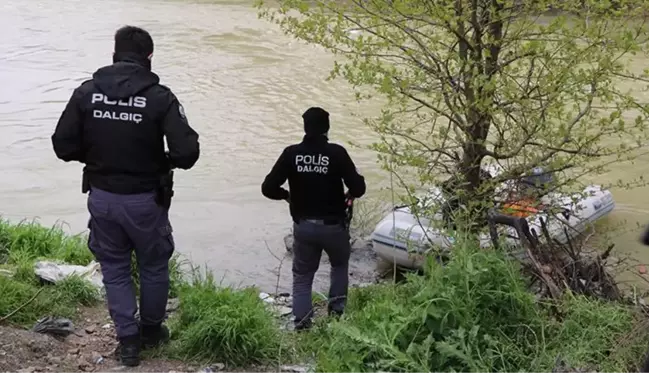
x=26 y=351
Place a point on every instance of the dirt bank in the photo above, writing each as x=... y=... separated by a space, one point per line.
x=90 y=348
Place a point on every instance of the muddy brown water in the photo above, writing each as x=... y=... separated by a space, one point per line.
x=243 y=84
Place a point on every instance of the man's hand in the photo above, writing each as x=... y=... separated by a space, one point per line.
x=349 y=200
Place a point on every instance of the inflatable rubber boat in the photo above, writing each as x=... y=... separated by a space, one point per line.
x=402 y=238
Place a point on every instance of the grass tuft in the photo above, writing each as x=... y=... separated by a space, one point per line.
x=598 y=335
x=22 y=244
x=221 y=324
x=59 y=300
x=29 y=241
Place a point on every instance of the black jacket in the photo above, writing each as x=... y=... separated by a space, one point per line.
x=315 y=170
x=116 y=124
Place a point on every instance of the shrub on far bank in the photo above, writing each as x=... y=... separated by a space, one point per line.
x=221 y=324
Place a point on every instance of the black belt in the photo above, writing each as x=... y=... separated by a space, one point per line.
x=324 y=221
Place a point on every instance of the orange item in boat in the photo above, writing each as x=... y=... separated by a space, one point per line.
x=520 y=209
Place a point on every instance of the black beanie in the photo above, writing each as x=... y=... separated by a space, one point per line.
x=316 y=121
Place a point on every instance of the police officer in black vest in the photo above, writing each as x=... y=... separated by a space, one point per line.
x=115 y=124
x=315 y=170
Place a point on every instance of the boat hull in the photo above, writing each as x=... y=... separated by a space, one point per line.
x=401 y=238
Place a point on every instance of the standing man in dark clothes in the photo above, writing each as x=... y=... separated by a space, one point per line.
x=115 y=124
x=315 y=170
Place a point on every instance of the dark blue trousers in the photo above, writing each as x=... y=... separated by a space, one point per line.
x=118 y=225
x=310 y=239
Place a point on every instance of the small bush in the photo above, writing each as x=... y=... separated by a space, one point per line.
x=220 y=324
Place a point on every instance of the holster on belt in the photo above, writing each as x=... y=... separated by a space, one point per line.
x=165 y=190
x=85 y=183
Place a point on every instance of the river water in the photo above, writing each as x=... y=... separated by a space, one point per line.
x=244 y=86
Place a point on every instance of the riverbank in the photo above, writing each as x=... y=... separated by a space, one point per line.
x=474 y=314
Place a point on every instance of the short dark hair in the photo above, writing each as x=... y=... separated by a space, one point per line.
x=131 y=39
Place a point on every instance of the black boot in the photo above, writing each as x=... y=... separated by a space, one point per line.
x=154 y=335
x=303 y=325
x=128 y=351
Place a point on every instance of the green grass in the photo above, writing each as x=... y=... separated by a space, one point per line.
x=60 y=300
x=222 y=324
x=597 y=334
x=24 y=243
x=473 y=314
x=29 y=241
x=21 y=245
